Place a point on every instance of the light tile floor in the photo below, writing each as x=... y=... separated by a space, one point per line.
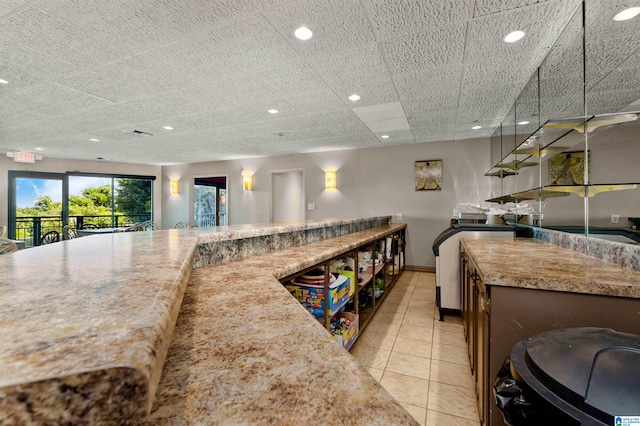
x=419 y=360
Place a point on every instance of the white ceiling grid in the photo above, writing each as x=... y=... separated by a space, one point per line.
x=82 y=69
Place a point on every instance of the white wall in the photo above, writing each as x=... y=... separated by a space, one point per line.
x=371 y=181
x=56 y=165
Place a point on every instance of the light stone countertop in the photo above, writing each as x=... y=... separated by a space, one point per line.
x=91 y=320
x=529 y=263
x=245 y=352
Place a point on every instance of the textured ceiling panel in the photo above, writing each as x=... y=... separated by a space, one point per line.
x=24 y=68
x=45 y=34
x=83 y=69
x=392 y=18
x=337 y=24
x=420 y=52
x=489 y=7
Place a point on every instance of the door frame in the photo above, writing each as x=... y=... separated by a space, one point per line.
x=303 y=190
x=192 y=185
x=12 y=196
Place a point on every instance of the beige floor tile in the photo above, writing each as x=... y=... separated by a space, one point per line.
x=454 y=400
x=392 y=306
x=450 y=353
x=406 y=389
x=419 y=321
x=450 y=373
x=375 y=372
x=420 y=414
x=435 y=418
x=451 y=326
x=377 y=340
x=389 y=315
x=407 y=345
x=370 y=357
x=452 y=319
x=383 y=325
x=410 y=365
x=400 y=299
x=420 y=311
x=416 y=332
x=422 y=302
x=448 y=337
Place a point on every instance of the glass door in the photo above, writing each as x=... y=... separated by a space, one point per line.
x=37 y=207
x=210 y=201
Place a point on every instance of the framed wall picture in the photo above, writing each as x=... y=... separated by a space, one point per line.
x=428 y=175
x=567 y=168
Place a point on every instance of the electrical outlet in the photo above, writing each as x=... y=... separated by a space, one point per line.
x=615 y=218
x=399 y=216
x=311 y=206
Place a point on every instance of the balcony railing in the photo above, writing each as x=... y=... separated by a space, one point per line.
x=30 y=229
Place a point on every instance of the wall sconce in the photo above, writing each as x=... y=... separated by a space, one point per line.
x=247 y=183
x=330 y=180
x=174 y=187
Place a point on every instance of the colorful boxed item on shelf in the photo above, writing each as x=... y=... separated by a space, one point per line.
x=312 y=296
x=344 y=327
x=352 y=280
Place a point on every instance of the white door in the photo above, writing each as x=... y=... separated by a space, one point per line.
x=287 y=195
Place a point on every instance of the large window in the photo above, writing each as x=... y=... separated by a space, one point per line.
x=40 y=203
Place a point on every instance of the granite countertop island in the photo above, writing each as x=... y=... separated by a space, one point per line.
x=532 y=264
x=87 y=325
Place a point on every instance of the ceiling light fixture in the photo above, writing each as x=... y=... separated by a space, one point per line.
x=303 y=33
x=94 y=140
x=3 y=81
x=273 y=111
x=39 y=149
x=385 y=136
x=168 y=128
x=626 y=14
x=514 y=36
x=476 y=127
x=522 y=123
x=354 y=97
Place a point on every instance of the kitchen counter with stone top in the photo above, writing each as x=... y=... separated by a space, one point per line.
x=85 y=324
x=532 y=264
x=245 y=352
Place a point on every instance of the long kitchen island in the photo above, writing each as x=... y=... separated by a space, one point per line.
x=515 y=289
x=184 y=326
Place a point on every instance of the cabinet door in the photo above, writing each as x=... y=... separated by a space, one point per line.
x=481 y=335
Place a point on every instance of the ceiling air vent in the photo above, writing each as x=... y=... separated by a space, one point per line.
x=141 y=133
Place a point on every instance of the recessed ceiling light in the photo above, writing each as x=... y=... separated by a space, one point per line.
x=303 y=33
x=273 y=111
x=3 y=81
x=476 y=127
x=514 y=36
x=39 y=149
x=94 y=140
x=168 y=128
x=354 y=97
x=629 y=13
x=385 y=136
x=522 y=123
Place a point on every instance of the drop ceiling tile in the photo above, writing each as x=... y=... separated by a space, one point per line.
x=318 y=101
x=337 y=25
x=313 y=133
x=290 y=80
x=435 y=82
x=10 y=5
x=373 y=93
x=44 y=34
x=490 y=7
x=251 y=44
x=392 y=18
x=293 y=124
x=365 y=62
x=421 y=52
x=22 y=67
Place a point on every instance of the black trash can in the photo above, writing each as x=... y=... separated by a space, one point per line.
x=572 y=376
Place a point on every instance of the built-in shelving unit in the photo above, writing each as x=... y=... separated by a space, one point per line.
x=372 y=269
